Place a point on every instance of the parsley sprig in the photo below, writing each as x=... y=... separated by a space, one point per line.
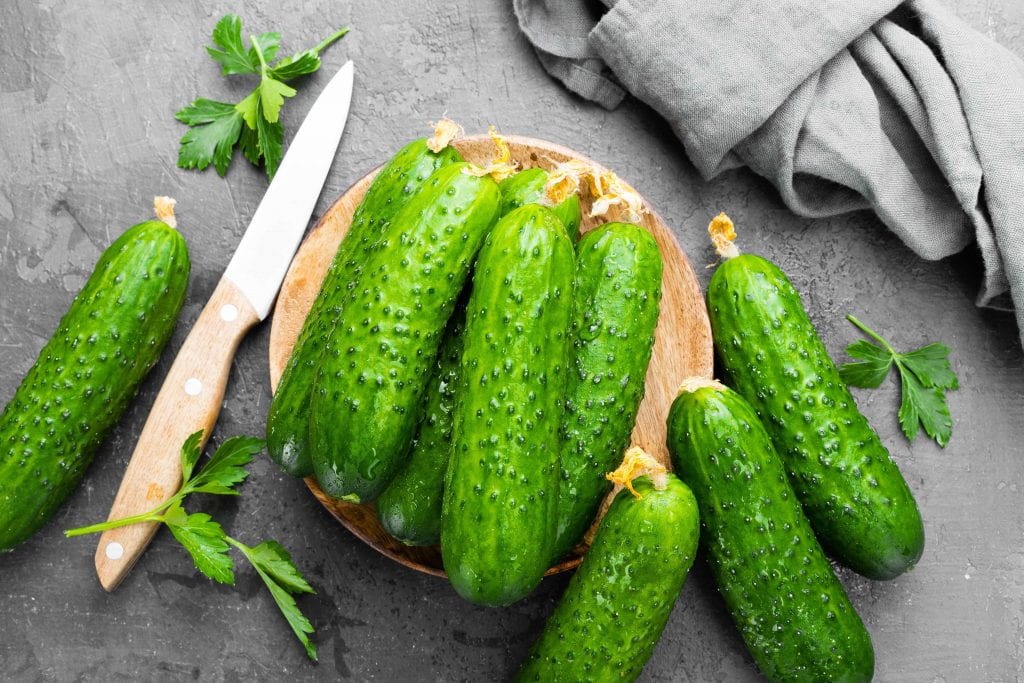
x=206 y=541
x=254 y=124
x=925 y=376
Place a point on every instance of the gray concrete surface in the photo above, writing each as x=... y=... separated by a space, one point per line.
x=88 y=91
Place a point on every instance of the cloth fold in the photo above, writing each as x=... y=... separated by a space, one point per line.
x=897 y=107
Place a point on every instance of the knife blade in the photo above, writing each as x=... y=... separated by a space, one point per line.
x=262 y=257
x=190 y=397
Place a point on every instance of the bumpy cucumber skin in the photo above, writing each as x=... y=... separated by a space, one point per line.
x=498 y=520
x=777 y=582
x=618 y=291
x=527 y=187
x=288 y=420
x=378 y=360
x=410 y=507
x=612 y=614
x=852 y=491
x=87 y=373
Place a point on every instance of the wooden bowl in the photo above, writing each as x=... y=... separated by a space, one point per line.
x=682 y=346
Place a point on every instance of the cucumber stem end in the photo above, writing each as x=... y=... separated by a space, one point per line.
x=164 y=209
x=606 y=189
x=723 y=235
x=502 y=165
x=692 y=384
x=445 y=131
x=639 y=463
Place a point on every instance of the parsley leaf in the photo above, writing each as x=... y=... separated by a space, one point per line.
x=871 y=370
x=302 y=63
x=272 y=558
x=204 y=111
x=925 y=406
x=293 y=615
x=249 y=108
x=297 y=65
x=272 y=92
x=931 y=365
x=205 y=539
x=217 y=127
x=269 y=43
x=226 y=467
x=250 y=146
x=190 y=452
x=274 y=565
x=230 y=53
x=925 y=376
x=269 y=137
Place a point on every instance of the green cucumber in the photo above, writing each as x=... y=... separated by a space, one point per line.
x=618 y=291
x=377 y=363
x=87 y=373
x=612 y=614
x=777 y=582
x=410 y=507
x=853 y=493
x=498 y=518
x=288 y=420
x=527 y=187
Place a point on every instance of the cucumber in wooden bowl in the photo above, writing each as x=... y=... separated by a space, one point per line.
x=378 y=359
x=498 y=520
x=87 y=373
x=853 y=493
x=611 y=616
x=619 y=273
x=394 y=184
x=772 y=573
x=410 y=507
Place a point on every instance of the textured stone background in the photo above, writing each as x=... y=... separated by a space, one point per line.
x=88 y=91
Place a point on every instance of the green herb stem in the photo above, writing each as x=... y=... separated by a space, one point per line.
x=151 y=516
x=243 y=548
x=259 y=53
x=326 y=42
x=871 y=333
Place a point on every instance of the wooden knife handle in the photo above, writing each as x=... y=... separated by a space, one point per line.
x=189 y=400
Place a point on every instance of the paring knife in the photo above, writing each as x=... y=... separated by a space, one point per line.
x=191 y=395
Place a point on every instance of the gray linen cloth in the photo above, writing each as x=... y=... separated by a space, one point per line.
x=897 y=107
